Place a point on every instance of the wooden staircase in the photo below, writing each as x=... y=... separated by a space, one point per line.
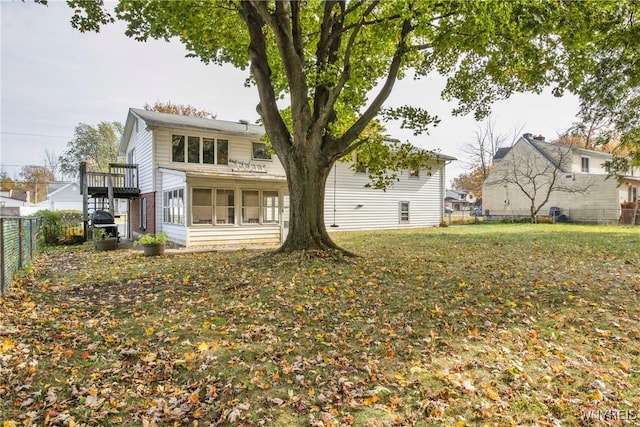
x=101 y=189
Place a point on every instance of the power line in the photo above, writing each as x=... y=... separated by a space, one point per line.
x=35 y=134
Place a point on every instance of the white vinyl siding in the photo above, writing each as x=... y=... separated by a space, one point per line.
x=359 y=208
x=143 y=145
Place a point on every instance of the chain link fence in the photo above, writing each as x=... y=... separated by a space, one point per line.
x=628 y=216
x=585 y=216
x=18 y=244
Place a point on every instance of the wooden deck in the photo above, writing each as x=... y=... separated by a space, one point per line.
x=121 y=182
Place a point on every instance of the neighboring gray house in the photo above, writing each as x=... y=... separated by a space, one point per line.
x=67 y=196
x=459 y=200
x=205 y=181
x=63 y=197
x=582 y=189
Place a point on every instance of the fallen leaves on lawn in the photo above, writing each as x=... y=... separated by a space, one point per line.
x=523 y=329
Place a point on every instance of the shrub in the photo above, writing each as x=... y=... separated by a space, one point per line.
x=151 y=238
x=55 y=224
x=544 y=220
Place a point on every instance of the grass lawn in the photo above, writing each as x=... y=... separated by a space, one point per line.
x=467 y=325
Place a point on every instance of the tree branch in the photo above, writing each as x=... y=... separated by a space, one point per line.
x=269 y=111
x=370 y=113
x=292 y=62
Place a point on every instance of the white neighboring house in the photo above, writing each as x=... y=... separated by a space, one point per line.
x=584 y=191
x=65 y=197
x=15 y=203
x=213 y=182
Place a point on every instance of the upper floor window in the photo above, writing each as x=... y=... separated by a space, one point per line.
x=260 y=151
x=359 y=166
x=199 y=150
x=585 y=164
x=414 y=173
x=193 y=149
x=177 y=148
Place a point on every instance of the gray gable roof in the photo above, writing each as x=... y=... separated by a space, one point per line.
x=154 y=118
x=501 y=153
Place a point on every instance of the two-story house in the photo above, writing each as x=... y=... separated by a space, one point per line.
x=579 y=178
x=459 y=200
x=213 y=182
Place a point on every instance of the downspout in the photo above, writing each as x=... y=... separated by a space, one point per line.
x=443 y=191
x=334 y=196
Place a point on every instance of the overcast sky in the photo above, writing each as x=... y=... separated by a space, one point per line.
x=53 y=77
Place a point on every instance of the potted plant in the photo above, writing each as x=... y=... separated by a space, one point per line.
x=152 y=243
x=103 y=241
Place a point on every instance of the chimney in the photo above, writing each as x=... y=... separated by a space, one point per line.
x=539 y=138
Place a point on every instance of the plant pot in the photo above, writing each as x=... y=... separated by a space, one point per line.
x=153 y=249
x=106 y=244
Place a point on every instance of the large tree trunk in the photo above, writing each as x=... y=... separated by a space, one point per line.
x=307 y=177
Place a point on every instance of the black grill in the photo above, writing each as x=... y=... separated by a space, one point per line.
x=106 y=221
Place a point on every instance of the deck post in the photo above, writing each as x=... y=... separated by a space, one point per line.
x=110 y=193
x=84 y=188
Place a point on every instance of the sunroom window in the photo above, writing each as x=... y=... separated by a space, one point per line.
x=202 y=208
x=225 y=207
x=270 y=211
x=250 y=207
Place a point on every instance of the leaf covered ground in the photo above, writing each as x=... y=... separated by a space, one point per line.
x=472 y=325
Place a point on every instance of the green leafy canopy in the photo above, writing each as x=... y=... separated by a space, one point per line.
x=488 y=49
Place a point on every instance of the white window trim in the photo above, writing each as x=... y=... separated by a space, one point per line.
x=185 y=153
x=164 y=207
x=400 y=211
x=237 y=207
x=258 y=158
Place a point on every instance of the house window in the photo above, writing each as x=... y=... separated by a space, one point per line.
x=173 y=206
x=403 y=212
x=414 y=173
x=193 y=149
x=222 y=152
x=177 y=148
x=260 y=151
x=250 y=207
x=225 y=211
x=208 y=150
x=202 y=206
x=359 y=166
x=585 y=164
x=270 y=211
